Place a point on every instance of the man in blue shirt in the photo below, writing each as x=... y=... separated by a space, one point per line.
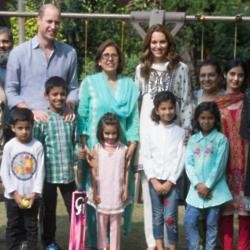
x=31 y=63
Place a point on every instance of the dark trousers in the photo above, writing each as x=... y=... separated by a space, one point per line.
x=48 y=209
x=21 y=225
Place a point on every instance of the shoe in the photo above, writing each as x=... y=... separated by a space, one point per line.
x=52 y=246
x=23 y=246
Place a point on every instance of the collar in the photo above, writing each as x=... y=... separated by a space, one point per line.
x=166 y=126
x=210 y=137
x=159 y=66
x=54 y=113
x=35 y=43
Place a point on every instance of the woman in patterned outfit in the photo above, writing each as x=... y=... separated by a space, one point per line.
x=160 y=69
x=230 y=106
x=108 y=91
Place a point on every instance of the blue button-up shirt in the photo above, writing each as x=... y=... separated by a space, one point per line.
x=205 y=162
x=28 y=69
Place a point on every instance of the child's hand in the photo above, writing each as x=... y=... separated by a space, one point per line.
x=157 y=186
x=167 y=185
x=96 y=197
x=18 y=198
x=92 y=161
x=32 y=198
x=203 y=190
x=124 y=195
x=81 y=153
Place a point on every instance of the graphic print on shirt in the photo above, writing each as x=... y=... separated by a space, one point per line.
x=23 y=165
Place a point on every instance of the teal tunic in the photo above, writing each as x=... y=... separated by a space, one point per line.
x=97 y=97
x=205 y=162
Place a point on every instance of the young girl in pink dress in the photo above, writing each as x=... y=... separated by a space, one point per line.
x=109 y=180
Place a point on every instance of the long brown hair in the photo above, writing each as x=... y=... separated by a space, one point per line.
x=147 y=57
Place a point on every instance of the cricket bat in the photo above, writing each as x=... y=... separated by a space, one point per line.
x=78 y=221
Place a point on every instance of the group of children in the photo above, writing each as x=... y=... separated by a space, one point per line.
x=22 y=171
x=37 y=161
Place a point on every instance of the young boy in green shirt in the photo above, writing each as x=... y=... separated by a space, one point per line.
x=58 y=137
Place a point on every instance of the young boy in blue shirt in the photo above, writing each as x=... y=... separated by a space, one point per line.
x=58 y=137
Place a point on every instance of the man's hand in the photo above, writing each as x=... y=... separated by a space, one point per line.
x=40 y=116
x=69 y=114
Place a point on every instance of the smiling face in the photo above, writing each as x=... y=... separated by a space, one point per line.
x=22 y=130
x=206 y=121
x=209 y=79
x=167 y=112
x=235 y=78
x=48 y=23
x=158 y=46
x=109 y=60
x=57 y=99
x=110 y=134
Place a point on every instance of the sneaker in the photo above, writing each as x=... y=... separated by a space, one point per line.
x=23 y=245
x=53 y=246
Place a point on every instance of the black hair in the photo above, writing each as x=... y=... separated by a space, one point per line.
x=4 y=29
x=235 y=63
x=210 y=107
x=21 y=114
x=108 y=119
x=55 y=81
x=212 y=62
x=163 y=96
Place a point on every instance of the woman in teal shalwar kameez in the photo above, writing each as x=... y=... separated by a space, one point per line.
x=108 y=91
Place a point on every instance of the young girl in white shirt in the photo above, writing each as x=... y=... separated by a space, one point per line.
x=163 y=164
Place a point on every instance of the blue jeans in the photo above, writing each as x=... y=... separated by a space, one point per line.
x=191 y=226
x=164 y=209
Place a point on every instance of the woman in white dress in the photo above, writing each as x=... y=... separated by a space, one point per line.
x=160 y=69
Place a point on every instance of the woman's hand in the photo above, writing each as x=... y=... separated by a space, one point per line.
x=187 y=136
x=130 y=151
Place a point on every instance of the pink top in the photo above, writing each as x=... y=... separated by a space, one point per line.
x=110 y=179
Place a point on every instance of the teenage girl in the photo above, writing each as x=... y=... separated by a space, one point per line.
x=230 y=106
x=163 y=164
x=205 y=163
x=160 y=69
x=109 y=180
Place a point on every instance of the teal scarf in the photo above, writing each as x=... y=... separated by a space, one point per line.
x=121 y=100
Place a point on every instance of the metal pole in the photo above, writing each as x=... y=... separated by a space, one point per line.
x=135 y=16
x=21 y=22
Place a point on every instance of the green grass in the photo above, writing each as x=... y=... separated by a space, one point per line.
x=134 y=241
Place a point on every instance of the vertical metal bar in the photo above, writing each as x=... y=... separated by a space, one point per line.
x=21 y=22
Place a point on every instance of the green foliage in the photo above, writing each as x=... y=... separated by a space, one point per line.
x=219 y=36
